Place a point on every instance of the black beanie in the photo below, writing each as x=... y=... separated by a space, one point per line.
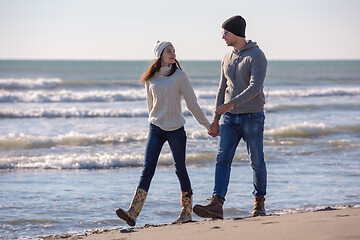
x=235 y=25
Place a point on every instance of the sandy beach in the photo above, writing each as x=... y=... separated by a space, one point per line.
x=324 y=224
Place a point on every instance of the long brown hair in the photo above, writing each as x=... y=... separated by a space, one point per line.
x=155 y=68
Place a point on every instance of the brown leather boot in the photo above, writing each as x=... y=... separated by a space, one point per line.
x=213 y=210
x=259 y=207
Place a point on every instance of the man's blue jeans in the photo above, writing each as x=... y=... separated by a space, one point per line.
x=233 y=128
x=177 y=142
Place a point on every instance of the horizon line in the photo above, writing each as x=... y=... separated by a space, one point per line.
x=134 y=60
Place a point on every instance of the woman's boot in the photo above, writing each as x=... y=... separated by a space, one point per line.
x=186 y=208
x=137 y=203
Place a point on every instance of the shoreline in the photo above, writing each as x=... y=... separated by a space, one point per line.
x=328 y=223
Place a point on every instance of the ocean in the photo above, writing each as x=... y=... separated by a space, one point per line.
x=73 y=135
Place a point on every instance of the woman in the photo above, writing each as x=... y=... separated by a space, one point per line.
x=165 y=85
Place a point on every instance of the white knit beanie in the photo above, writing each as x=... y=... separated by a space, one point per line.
x=159 y=48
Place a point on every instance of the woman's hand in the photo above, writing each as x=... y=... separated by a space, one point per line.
x=214 y=128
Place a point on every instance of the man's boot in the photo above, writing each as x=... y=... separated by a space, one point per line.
x=134 y=210
x=213 y=210
x=186 y=208
x=259 y=207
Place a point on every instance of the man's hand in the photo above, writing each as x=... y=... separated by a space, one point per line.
x=214 y=128
x=224 y=108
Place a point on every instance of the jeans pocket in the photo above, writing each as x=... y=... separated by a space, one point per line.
x=257 y=117
x=225 y=119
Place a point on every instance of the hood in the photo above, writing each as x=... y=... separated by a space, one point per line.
x=249 y=44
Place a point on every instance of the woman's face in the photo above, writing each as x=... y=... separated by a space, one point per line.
x=168 y=56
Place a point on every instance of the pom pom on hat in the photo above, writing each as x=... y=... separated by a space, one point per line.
x=159 y=48
x=235 y=25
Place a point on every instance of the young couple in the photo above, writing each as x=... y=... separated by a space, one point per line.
x=239 y=114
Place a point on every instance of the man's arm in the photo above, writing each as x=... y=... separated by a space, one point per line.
x=220 y=96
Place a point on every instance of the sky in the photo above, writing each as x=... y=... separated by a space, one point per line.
x=127 y=30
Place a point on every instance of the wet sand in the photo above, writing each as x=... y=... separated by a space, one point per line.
x=325 y=224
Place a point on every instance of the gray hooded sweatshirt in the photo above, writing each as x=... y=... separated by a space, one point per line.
x=242 y=80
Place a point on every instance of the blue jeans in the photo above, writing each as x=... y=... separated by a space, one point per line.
x=233 y=127
x=177 y=142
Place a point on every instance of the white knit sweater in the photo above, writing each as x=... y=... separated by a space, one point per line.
x=164 y=94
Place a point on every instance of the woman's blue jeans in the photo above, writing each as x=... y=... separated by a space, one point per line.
x=177 y=142
x=233 y=128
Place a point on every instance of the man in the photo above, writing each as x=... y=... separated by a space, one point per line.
x=240 y=108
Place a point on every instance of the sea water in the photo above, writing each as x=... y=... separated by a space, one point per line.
x=73 y=135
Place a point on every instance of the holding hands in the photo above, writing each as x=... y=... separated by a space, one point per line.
x=214 y=128
x=222 y=109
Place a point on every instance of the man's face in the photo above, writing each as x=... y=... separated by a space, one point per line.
x=228 y=37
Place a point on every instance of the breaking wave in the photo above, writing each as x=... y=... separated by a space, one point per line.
x=136 y=94
x=22 y=141
x=71 y=96
x=27 y=83
x=309 y=129
x=82 y=113
x=322 y=92
x=52 y=83
x=90 y=161
x=300 y=130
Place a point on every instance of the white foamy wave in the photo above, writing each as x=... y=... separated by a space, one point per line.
x=314 y=208
x=322 y=92
x=81 y=113
x=314 y=106
x=344 y=143
x=206 y=94
x=72 y=113
x=22 y=141
x=301 y=130
x=309 y=129
x=71 y=96
x=202 y=134
x=26 y=83
x=91 y=161
x=72 y=161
